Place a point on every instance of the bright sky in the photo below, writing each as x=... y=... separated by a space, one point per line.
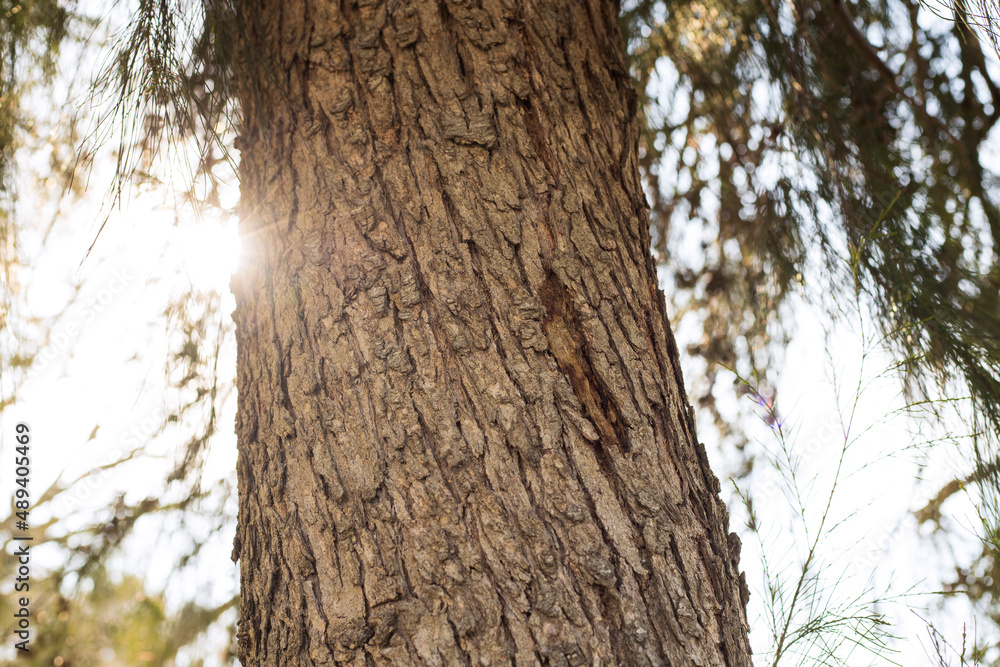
x=103 y=366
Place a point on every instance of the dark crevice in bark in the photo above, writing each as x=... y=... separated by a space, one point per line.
x=571 y=350
x=539 y=142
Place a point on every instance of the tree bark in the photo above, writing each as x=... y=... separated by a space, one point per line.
x=463 y=433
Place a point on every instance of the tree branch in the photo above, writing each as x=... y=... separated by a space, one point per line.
x=847 y=23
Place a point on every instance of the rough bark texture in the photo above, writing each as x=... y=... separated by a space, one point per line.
x=463 y=434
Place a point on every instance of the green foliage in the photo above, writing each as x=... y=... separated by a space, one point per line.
x=169 y=84
x=830 y=141
x=844 y=147
x=87 y=612
x=109 y=622
x=31 y=34
x=810 y=619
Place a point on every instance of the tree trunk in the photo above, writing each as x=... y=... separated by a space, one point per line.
x=463 y=434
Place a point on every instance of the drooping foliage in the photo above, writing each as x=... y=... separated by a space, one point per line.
x=31 y=35
x=829 y=141
x=848 y=147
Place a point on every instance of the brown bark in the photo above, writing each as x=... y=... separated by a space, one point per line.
x=463 y=433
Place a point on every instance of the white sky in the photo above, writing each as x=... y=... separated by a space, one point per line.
x=104 y=366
